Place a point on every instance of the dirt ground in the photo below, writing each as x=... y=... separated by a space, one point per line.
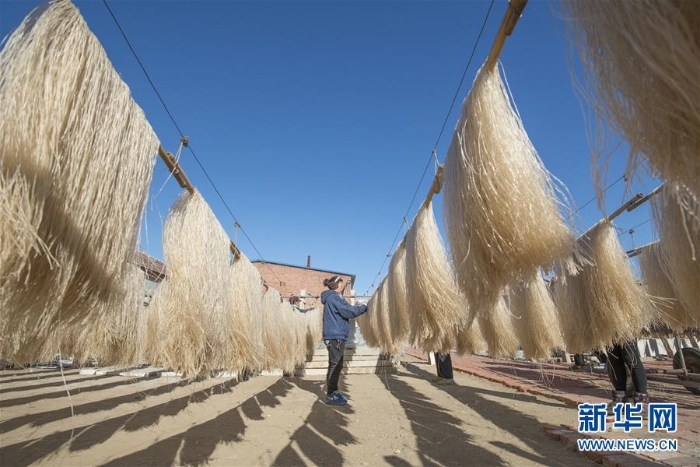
x=396 y=419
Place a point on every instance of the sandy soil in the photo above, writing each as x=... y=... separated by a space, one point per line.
x=393 y=419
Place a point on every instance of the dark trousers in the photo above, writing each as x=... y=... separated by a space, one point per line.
x=443 y=362
x=627 y=355
x=336 y=352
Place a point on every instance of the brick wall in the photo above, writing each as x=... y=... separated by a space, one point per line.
x=296 y=278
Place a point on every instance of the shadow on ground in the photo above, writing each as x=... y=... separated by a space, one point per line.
x=194 y=446
x=518 y=424
x=323 y=423
x=440 y=439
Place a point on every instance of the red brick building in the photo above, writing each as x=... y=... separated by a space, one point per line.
x=305 y=282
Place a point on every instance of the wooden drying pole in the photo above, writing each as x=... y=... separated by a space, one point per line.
x=510 y=19
x=636 y=251
x=646 y=198
x=185 y=183
x=436 y=186
x=631 y=204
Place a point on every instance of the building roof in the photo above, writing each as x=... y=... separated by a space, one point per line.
x=303 y=267
x=338 y=273
x=154 y=268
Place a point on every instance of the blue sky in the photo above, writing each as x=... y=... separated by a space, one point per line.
x=316 y=119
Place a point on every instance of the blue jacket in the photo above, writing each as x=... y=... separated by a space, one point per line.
x=336 y=313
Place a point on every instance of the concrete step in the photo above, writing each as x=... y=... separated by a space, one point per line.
x=148 y=372
x=106 y=370
x=369 y=360
x=346 y=371
x=352 y=364
x=352 y=354
x=354 y=350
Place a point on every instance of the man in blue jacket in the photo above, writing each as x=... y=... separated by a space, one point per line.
x=336 y=327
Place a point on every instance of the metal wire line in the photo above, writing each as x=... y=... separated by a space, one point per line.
x=631 y=229
x=595 y=197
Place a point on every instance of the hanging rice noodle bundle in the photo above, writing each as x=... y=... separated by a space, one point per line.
x=378 y=315
x=672 y=311
x=602 y=304
x=535 y=317
x=193 y=307
x=77 y=159
x=640 y=63
x=501 y=209
x=293 y=341
x=272 y=330
x=369 y=334
x=398 y=311
x=314 y=330
x=110 y=334
x=296 y=339
x=436 y=308
x=384 y=318
x=19 y=221
x=470 y=339
x=497 y=329
x=149 y=326
x=246 y=314
x=679 y=244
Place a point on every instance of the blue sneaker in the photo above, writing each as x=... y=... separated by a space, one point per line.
x=336 y=398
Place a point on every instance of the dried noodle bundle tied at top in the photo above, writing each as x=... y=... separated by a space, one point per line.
x=245 y=316
x=110 y=334
x=297 y=328
x=272 y=330
x=501 y=209
x=314 y=329
x=602 y=304
x=436 y=308
x=498 y=331
x=679 y=244
x=369 y=334
x=383 y=314
x=672 y=311
x=640 y=63
x=20 y=218
x=378 y=314
x=70 y=128
x=293 y=341
x=193 y=306
x=535 y=318
x=470 y=339
x=398 y=312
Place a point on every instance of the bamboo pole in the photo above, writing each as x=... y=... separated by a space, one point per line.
x=634 y=201
x=510 y=19
x=436 y=186
x=636 y=251
x=175 y=169
x=645 y=199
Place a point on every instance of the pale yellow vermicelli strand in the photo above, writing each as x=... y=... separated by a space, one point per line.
x=501 y=206
x=85 y=151
x=640 y=62
x=436 y=307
